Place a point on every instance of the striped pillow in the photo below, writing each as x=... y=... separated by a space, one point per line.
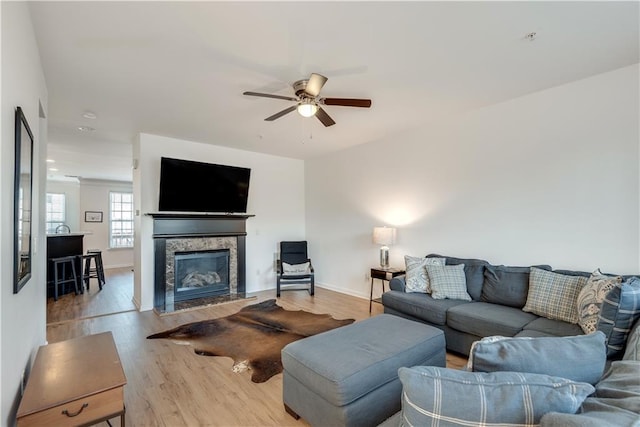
x=620 y=310
x=554 y=295
x=439 y=396
x=448 y=281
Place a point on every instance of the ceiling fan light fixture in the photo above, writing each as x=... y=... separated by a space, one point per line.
x=307 y=108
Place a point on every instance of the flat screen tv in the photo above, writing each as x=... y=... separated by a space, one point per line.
x=188 y=186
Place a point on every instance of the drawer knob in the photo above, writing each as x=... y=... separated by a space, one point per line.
x=65 y=412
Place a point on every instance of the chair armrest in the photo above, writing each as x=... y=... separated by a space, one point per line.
x=310 y=266
x=279 y=266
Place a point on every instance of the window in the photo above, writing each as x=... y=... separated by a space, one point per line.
x=55 y=214
x=121 y=220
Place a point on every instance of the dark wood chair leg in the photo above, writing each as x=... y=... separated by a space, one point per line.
x=86 y=275
x=75 y=277
x=291 y=412
x=278 y=287
x=55 y=281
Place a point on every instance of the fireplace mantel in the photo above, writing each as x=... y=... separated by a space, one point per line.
x=194 y=226
x=168 y=214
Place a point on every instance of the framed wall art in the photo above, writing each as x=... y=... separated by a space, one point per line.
x=92 y=216
x=23 y=190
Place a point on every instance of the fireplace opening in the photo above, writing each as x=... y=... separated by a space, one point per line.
x=201 y=274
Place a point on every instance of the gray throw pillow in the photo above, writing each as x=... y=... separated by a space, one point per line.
x=554 y=295
x=579 y=358
x=447 y=397
x=448 y=282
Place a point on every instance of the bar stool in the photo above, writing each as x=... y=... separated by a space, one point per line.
x=60 y=265
x=93 y=273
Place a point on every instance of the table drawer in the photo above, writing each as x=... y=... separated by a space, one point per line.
x=98 y=406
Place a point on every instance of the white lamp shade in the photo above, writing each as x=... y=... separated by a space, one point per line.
x=384 y=235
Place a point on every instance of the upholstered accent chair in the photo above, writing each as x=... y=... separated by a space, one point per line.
x=294 y=268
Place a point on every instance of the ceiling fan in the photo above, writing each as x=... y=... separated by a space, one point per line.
x=308 y=100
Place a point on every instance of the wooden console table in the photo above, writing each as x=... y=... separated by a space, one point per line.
x=74 y=382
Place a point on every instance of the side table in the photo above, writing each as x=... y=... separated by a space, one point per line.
x=382 y=274
x=74 y=382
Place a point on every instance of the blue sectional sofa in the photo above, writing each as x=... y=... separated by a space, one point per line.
x=498 y=295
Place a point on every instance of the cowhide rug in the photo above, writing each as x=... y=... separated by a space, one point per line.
x=253 y=337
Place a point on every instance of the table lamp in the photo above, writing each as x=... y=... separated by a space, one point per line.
x=384 y=236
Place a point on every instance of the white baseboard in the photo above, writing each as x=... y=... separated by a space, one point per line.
x=330 y=288
x=342 y=290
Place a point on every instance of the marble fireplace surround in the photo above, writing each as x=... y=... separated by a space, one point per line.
x=194 y=244
x=179 y=232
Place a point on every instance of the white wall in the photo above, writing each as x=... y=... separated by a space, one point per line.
x=71 y=190
x=23 y=315
x=94 y=196
x=276 y=198
x=550 y=178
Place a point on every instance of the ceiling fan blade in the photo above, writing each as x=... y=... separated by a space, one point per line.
x=324 y=117
x=268 y=95
x=316 y=81
x=281 y=113
x=347 y=102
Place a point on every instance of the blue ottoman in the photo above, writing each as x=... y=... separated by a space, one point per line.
x=349 y=376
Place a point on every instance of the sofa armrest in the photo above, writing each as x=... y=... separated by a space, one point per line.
x=397 y=283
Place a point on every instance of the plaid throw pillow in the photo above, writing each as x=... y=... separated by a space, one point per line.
x=620 y=310
x=554 y=295
x=434 y=396
x=448 y=282
x=416 y=279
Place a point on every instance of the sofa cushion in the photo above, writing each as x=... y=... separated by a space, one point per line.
x=555 y=328
x=574 y=273
x=484 y=319
x=578 y=358
x=554 y=295
x=615 y=403
x=619 y=312
x=420 y=306
x=448 y=282
x=473 y=271
x=507 y=285
x=632 y=350
x=416 y=279
x=590 y=299
x=447 y=397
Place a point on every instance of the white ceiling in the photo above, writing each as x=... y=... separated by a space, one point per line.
x=179 y=69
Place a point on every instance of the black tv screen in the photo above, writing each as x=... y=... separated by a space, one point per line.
x=188 y=186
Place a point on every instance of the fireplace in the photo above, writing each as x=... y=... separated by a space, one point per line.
x=201 y=274
x=198 y=256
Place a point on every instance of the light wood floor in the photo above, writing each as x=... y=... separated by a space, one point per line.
x=169 y=385
x=116 y=296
